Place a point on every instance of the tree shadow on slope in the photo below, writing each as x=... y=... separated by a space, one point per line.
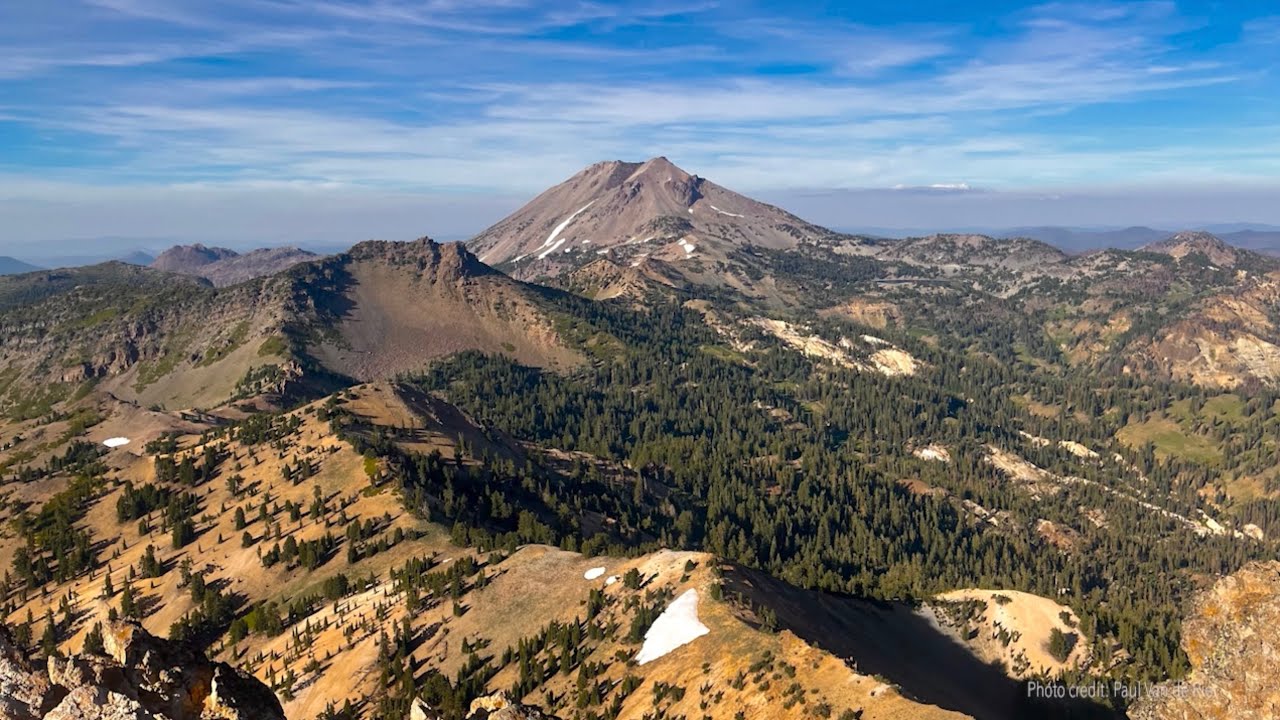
x=891 y=640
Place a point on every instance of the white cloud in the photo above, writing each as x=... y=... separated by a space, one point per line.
x=507 y=97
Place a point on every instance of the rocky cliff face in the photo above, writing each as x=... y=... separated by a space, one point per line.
x=1234 y=648
x=140 y=677
x=499 y=706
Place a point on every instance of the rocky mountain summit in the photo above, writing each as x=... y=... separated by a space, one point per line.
x=629 y=210
x=1231 y=641
x=1182 y=244
x=138 y=677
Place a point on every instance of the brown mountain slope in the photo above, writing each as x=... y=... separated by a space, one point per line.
x=387 y=308
x=161 y=339
x=1196 y=243
x=253 y=264
x=603 y=279
x=145 y=335
x=186 y=259
x=630 y=210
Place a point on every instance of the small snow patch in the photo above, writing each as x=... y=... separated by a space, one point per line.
x=677 y=625
x=551 y=249
x=873 y=340
x=593 y=573
x=115 y=442
x=611 y=580
x=725 y=212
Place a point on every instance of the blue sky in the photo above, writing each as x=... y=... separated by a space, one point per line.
x=266 y=121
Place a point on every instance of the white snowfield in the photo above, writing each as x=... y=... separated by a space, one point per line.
x=115 y=442
x=553 y=248
x=555 y=232
x=593 y=573
x=725 y=212
x=611 y=580
x=677 y=625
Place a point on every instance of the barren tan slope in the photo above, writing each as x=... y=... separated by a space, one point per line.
x=399 y=305
x=1229 y=338
x=1027 y=620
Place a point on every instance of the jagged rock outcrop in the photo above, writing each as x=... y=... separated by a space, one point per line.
x=420 y=710
x=1231 y=640
x=499 y=706
x=502 y=707
x=141 y=677
x=24 y=695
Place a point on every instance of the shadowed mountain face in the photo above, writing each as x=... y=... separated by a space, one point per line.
x=905 y=645
x=652 y=207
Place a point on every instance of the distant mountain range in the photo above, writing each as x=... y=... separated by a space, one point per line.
x=14 y=266
x=223 y=266
x=1259 y=238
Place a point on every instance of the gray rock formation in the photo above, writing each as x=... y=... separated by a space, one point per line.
x=140 y=678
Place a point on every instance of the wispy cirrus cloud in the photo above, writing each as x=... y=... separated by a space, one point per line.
x=507 y=96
